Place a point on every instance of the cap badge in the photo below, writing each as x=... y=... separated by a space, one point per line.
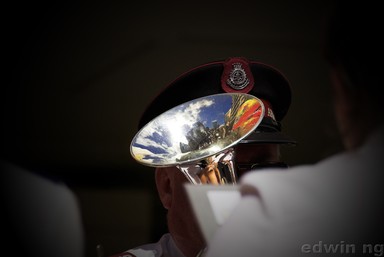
x=237 y=78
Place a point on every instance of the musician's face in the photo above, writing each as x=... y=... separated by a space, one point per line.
x=255 y=156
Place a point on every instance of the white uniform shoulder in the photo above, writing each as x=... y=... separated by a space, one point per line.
x=333 y=201
x=165 y=247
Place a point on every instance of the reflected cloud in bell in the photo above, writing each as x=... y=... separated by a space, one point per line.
x=197 y=129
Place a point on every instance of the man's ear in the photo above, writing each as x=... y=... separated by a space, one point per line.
x=164 y=186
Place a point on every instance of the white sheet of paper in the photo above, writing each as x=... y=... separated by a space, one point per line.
x=212 y=204
x=222 y=203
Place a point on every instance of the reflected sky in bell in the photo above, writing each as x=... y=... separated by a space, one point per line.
x=158 y=142
x=161 y=137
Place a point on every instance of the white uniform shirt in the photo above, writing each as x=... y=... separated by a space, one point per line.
x=332 y=208
x=165 y=247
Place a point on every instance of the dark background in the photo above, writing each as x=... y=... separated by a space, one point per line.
x=78 y=77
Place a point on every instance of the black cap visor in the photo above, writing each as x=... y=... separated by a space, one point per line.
x=262 y=137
